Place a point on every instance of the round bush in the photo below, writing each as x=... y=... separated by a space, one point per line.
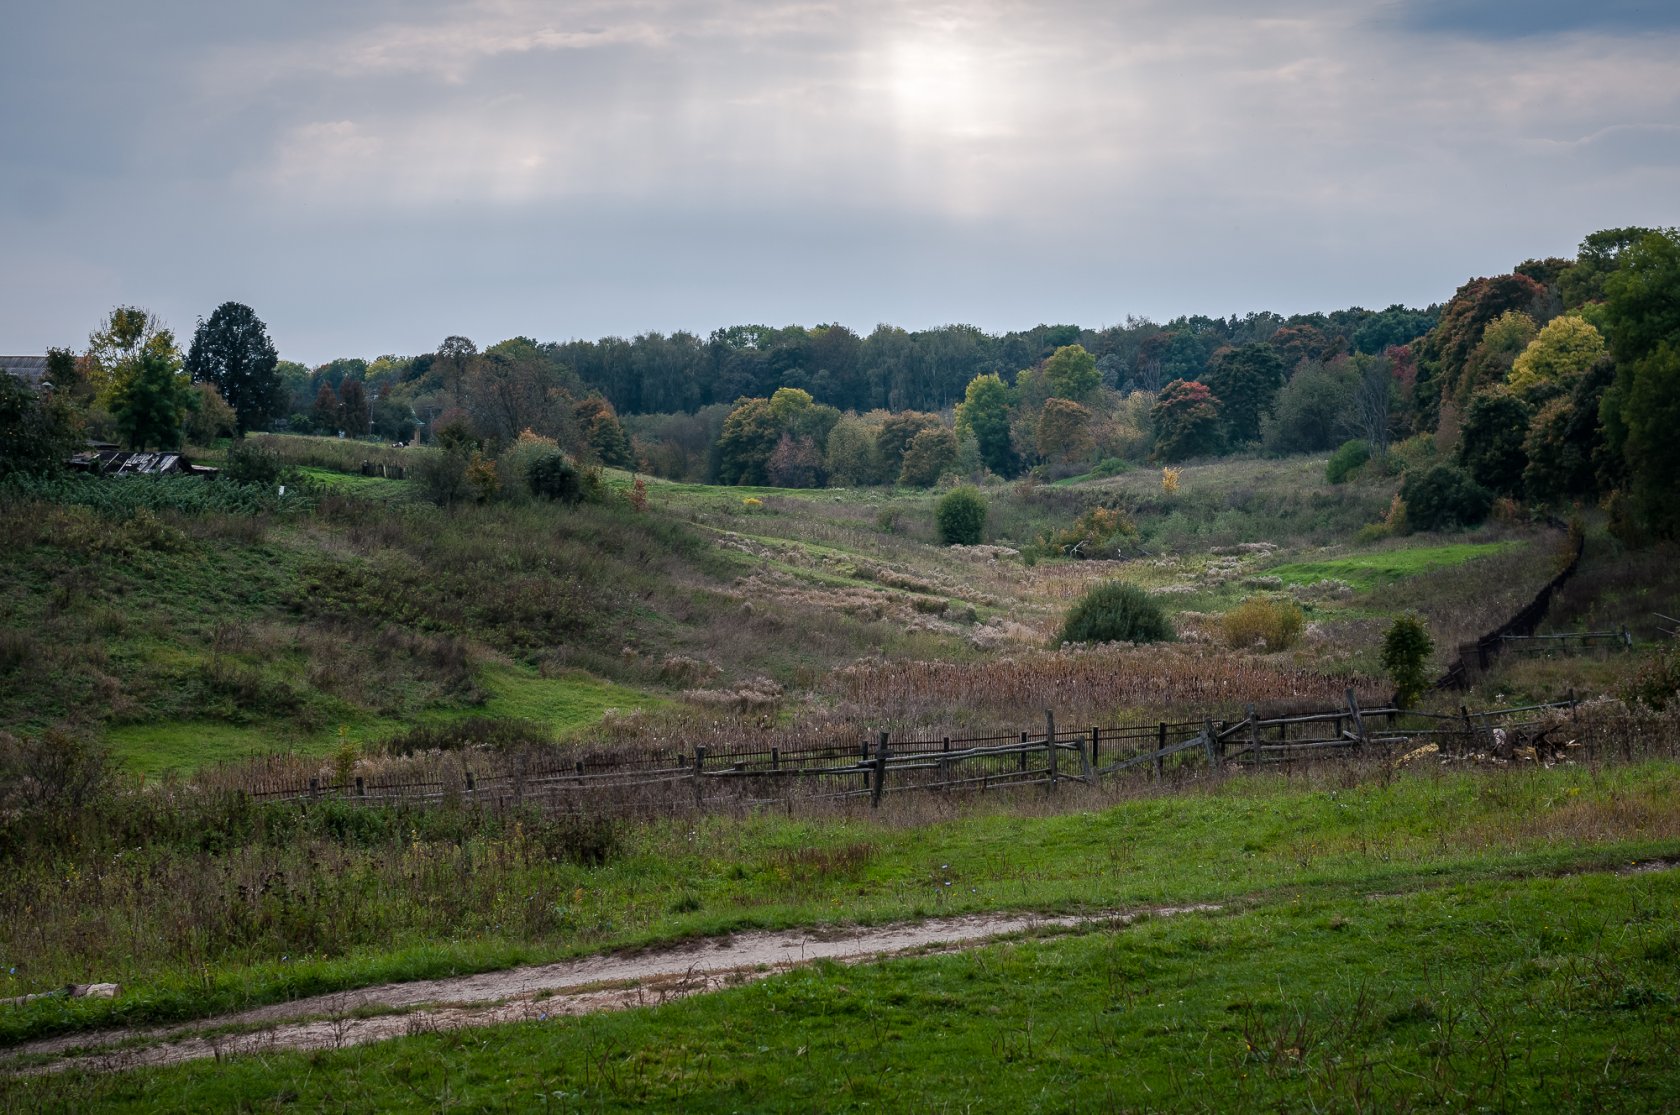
x=1345 y=461
x=251 y=463
x=961 y=517
x=1442 y=497
x=1116 y=612
x=552 y=476
x=1276 y=623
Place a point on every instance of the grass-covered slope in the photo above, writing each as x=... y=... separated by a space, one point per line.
x=1415 y=943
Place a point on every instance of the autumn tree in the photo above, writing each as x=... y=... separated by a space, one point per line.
x=1558 y=355
x=849 y=458
x=233 y=353
x=1445 y=349
x=604 y=434
x=327 y=414
x=116 y=347
x=1505 y=338
x=897 y=432
x=795 y=463
x=1564 y=443
x=930 y=453
x=749 y=437
x=1062 y=434
x=209 y=416
x=1186 y=420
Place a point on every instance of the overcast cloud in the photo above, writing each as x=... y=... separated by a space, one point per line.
x=371 y=176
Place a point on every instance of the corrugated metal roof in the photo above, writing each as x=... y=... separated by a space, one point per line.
x=30 y=369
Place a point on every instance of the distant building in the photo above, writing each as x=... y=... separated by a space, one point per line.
x=31 y=369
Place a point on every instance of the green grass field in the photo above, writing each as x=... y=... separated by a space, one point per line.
x=436 y=893
x=1366 y=571
x=1552 y=994
x=1419 y=945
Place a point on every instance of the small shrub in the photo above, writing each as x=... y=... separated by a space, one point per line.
x=1405 y=655
x=1095 y=534
x=1260 y=619
x=481 y=477
x=961 y=517
x=1656 y=684
x=553 y=476
x=1443 y=497
x=1347 y=460
x=252 y=462
x=1169 y=481
x=442 y=475
x=1116 y=612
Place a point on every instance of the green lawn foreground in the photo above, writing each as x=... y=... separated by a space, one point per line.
x=199 y=923
x=1556 y=994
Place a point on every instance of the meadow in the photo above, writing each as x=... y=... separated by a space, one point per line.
x=1384 y=928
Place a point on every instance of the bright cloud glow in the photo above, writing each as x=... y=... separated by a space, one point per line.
x=587 y=167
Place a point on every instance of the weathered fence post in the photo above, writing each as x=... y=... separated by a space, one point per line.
x=1021 y=763
x=880 y=773
x=775 y=758
x=472 y=787
x=1091 y=763
x=699 y=769
x=1160 y=746
x=1358 y=717
x=1254 y=736
x=314 y=788
x=1210 y=740
x=361 y=789
x=1050 y=745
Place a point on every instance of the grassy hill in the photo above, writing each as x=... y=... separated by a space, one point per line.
x=1382 y=928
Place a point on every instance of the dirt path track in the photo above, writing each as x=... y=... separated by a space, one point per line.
x=572 y=987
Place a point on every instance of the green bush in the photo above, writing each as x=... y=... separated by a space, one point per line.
x=1116 y=612
x=1405 y=655
x=1442 y=497
x=442 y=475
x=251 y=462
x=554 y=476
x=1347 y=460
x=961 y=517
x=1260 y=619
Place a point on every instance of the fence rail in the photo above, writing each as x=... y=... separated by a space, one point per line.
x=872 y=768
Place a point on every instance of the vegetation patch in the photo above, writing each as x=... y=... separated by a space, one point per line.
x=1385 y=567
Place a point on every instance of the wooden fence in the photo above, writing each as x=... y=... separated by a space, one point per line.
x=756 y=776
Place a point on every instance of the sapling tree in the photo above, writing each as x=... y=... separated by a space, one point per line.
x=1405 y=655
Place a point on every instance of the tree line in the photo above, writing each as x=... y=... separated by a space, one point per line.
x=1554 y=382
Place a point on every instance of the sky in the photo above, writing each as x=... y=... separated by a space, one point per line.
x=372 y=176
